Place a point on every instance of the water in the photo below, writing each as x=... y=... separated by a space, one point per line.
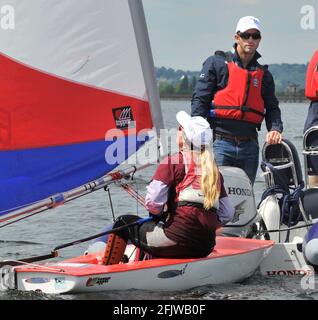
x=88 y=215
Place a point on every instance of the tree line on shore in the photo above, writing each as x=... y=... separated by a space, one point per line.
x=289 y=81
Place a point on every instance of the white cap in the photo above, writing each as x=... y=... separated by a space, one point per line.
x=196 y=129
x=247 y=23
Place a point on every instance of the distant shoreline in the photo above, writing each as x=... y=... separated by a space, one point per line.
x=281 y=98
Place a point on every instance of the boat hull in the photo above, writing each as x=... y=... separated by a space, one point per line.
x=285 y=259
x=233 y=259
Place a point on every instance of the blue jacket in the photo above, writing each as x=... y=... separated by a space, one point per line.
x=214 y=77
x=312 y=116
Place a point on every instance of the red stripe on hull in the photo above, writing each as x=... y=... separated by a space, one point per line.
x=225 y=247
x=38 y=109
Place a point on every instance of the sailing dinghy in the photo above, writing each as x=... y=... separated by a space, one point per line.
x=232 y=260
x=70 y=73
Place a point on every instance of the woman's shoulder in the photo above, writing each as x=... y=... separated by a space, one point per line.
x=170 y=168
x=174 y=159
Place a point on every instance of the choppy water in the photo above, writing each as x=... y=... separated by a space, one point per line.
x=88 y=215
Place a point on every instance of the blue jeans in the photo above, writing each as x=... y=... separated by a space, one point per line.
x=244 y=155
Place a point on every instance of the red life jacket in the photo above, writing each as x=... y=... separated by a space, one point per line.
x=311 y=90
x=241 y=99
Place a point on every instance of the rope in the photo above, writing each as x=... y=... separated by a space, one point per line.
x=131 y=191
x=290 y=212
x=111 y=202
x=285 y=229
x=136 y=191
x=42 y=266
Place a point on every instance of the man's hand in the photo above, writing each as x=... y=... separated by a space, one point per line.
x=273 y=137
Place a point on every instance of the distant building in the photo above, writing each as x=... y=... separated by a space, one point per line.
x=291 y=89
x=293 y=93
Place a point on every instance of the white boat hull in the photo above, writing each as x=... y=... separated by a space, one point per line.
x=285 y=259
x=224 y=265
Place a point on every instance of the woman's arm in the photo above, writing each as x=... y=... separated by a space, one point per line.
x=156 y=197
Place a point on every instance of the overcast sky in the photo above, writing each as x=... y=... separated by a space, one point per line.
x=183 y=33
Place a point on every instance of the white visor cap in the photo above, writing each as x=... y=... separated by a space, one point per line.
x=248 y=22
x=197 y=130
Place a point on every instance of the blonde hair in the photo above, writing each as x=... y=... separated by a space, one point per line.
x=205 y=166
x=210 y=178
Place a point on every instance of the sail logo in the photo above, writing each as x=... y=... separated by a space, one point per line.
x=7 y=17
x=123 y=117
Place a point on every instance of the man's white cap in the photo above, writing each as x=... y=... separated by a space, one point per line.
x=248 y=22
x=196 y=129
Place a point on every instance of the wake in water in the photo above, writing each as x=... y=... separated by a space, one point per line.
x=19 y=242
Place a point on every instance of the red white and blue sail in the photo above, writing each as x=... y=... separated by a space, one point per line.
x=70 y=72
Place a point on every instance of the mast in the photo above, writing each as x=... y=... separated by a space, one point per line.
x=146 y=59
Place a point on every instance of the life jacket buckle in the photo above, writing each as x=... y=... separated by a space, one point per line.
x=245 y=108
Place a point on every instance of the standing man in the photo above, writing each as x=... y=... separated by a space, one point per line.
x=235 y=93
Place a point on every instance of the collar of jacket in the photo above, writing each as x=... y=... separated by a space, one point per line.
x=236 y=58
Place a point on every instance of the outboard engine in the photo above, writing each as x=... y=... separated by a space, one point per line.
x=310 y=152
x=240 y=192
x=282 y=202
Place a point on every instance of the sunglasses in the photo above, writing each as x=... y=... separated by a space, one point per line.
x=180 y=128
x=247 y=35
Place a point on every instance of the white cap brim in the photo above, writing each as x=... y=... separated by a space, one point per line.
x=183 y=119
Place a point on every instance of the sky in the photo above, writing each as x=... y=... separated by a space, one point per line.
x=183 y=33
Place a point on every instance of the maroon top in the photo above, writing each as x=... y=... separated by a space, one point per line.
x=187 y=225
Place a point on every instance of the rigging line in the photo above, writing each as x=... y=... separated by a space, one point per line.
x=33 y=214
x=111 y=202
x=50 y=207
x=114 y=230
x=47 y=208
x=133 y=173
x=132 y=253
x=30 y=215
x=114 y=176
x=132 y=179
x=42 y=266
x=53 y=254
x=131 y=191
x=137 y=202
x=285 y=229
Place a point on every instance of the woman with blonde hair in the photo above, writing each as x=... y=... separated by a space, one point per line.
x=186 y=197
